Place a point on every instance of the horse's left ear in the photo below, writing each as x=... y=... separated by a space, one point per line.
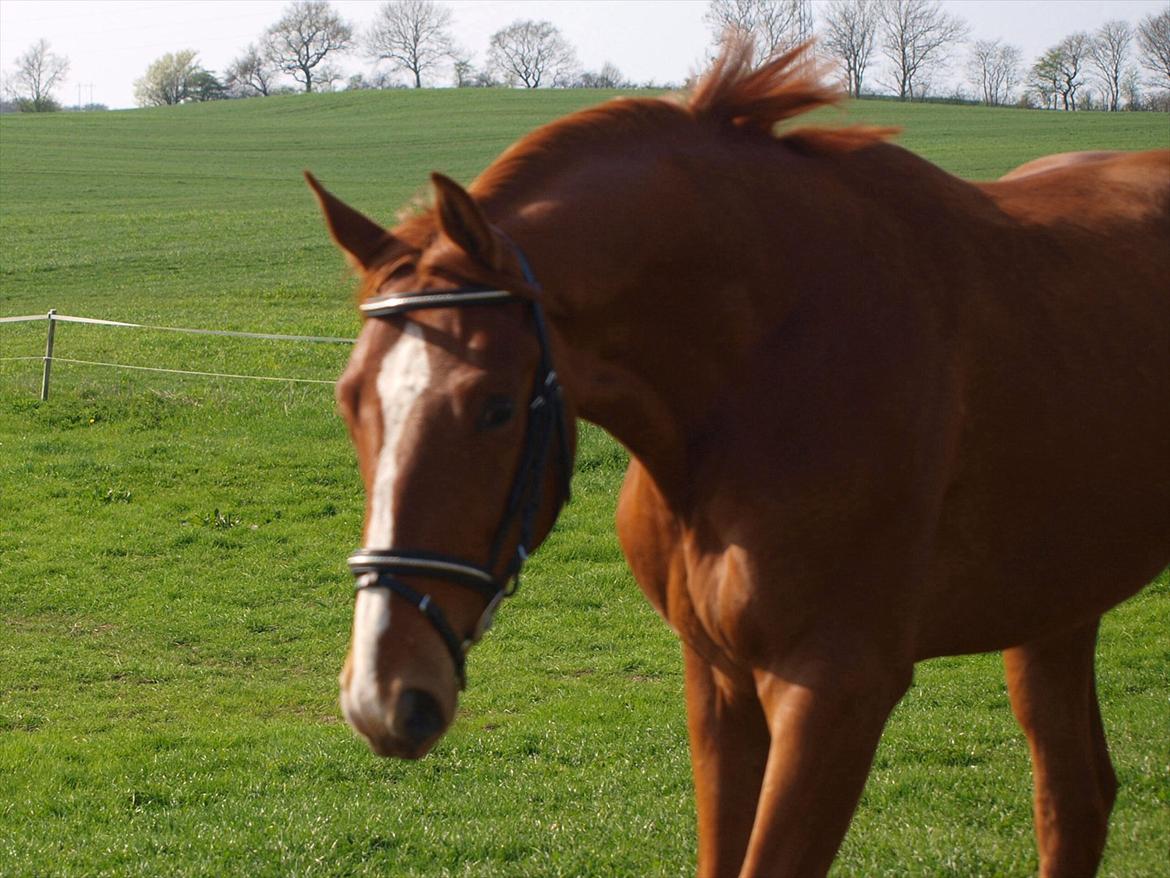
x=360 y=237
x=464 y=223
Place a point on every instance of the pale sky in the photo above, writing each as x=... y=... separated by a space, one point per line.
x=110 y=42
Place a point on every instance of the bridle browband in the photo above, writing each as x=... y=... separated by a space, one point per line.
x=381 y=568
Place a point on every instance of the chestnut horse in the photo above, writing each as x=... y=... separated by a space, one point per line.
x=875 y=414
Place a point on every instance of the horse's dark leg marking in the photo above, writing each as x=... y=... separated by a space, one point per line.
x=1054 y=696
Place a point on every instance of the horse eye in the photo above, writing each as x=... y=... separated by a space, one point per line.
x=498 y=411
x=401 y=271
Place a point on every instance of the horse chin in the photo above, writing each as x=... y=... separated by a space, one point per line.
x=384 y=742
x=393 y=748
x=404 y=726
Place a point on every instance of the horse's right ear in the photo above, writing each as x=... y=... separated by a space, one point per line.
x=462 y=220
x=360 y=237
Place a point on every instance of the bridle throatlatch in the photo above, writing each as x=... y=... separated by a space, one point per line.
x=547 y=422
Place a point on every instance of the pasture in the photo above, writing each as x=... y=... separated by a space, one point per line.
x=173 y=594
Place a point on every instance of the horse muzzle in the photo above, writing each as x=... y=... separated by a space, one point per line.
x=407 y=729
x=396 y=719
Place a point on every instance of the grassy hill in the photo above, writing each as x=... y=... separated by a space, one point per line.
x=172 y=590
x=146 y=203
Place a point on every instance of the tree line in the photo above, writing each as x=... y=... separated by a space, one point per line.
x=913 y=44
x=413 y=36
x=920 y=43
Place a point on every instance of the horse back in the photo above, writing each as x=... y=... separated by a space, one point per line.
x=1058 y=501
x=1090 y=189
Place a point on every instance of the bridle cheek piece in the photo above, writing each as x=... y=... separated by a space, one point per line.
x=382 y=568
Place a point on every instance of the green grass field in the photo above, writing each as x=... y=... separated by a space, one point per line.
x=173 y=595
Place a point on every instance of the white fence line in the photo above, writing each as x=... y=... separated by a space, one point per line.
x=53 y=318
x=193 y=372
x=65 y=318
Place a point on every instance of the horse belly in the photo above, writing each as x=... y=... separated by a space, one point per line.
x=1049 y=544
x=1057 y=505
x=979 y=607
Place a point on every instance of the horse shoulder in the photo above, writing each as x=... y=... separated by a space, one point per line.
x=649 y=536
x=654 y=542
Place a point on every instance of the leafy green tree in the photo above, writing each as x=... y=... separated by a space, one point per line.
x=205 y=86
x=168 y=80
x=1045 y=78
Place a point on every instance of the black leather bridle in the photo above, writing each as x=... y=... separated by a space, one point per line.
x=381 y=568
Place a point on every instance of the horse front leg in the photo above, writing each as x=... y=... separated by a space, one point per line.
x=825 y=716
x=729 y=748
x=1054 y=696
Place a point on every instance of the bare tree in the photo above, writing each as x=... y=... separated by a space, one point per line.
x=378 y=81
x=307 y=33
x=773 y=26
x=914 y=37
x=1131 y=89
x=849 y=32
x=38 y=73
x=531 y=52
x=414 y=35
x=993 y=68
x=462 y=66
x=1154 y=39
x=326 y=77
x=609 y=76
x=168 y=80
x=1073 y=55
x=250 y=74
x=1108 y=52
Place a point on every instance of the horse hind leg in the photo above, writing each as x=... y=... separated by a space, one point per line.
x=1054 y=697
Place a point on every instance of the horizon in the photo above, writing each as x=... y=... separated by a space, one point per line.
x=659 y=43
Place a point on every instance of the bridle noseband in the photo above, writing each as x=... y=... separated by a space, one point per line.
x=381 y=568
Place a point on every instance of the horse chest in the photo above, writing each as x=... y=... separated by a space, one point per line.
x=684 y=587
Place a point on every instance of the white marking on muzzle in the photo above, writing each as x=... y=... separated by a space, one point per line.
x=403 y=376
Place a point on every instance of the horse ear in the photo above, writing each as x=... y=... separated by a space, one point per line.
x=464 y=223
x=361 y=238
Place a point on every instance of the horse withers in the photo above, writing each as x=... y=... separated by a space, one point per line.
x=875 y=414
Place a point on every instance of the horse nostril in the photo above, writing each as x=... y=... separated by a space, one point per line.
x=418 y=716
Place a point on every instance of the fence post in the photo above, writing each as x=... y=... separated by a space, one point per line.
x=48 y=354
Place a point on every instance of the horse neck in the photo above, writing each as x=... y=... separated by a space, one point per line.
x=665 y=276
x=662 y=277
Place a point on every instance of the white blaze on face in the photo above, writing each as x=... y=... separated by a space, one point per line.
x=402 y=378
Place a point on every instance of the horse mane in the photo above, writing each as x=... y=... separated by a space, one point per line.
x=732 y=95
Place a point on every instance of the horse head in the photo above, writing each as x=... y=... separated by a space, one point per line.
x=465 y=447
